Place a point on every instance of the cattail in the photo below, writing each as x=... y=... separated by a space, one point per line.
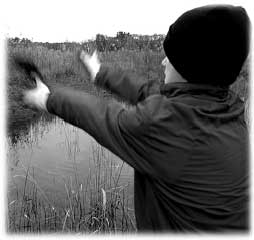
x=104 y=199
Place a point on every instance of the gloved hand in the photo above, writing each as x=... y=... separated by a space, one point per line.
x=92 y=63
x=37 y=97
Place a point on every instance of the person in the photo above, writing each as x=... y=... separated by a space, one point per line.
x=186 y=139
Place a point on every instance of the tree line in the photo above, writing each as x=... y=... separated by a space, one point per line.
x=103 y=43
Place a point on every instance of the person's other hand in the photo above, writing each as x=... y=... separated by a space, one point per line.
x=37 y=97
x=91 y=62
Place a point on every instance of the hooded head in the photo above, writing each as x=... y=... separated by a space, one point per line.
x=208 y=45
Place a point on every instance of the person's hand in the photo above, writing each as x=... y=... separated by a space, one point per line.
x=92 y=63
x=37 y=97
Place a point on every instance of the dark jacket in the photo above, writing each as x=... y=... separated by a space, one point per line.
x=188 y=144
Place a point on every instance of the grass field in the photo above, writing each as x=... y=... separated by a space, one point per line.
x=98 y=204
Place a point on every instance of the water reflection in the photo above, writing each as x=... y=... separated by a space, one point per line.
x=58 y=159
x=21 y=126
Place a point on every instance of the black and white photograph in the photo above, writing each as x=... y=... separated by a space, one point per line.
x=126 y=118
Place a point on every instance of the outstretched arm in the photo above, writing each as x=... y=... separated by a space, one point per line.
x=107 y=121
x=117 y=81
x=133 y=134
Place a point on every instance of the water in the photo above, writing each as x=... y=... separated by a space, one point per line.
x=55 y=155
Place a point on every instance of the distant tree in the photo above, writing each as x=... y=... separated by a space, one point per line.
x=122 y=37
x=25 y=41
x=15 y=40
x=100 y=42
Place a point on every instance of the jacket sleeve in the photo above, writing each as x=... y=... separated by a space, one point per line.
x=118 y=129
x=127 y=88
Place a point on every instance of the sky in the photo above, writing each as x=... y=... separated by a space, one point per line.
x=76 y=20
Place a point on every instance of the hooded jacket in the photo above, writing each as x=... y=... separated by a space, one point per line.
x=188 y=145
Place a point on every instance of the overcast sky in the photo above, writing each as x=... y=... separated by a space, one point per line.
x=78 y=20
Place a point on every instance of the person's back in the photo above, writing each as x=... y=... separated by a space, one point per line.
x=197 y=134
x=202 y=165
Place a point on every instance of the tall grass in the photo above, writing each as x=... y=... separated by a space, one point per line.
x=95 y=204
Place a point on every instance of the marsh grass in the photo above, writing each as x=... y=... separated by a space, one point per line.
x=100 y=203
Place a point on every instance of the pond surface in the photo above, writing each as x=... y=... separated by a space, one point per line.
x=55 y=156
